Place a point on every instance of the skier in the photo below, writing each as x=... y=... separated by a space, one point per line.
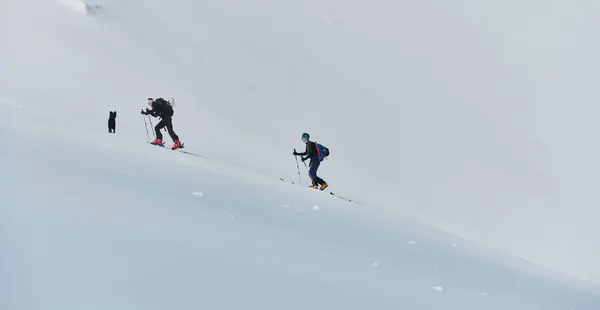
x=161 y=108
x=312 y=152
x=112 y=123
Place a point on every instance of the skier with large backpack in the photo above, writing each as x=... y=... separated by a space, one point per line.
x=316 y=153
x=163 y=109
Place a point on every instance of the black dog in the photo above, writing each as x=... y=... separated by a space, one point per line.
x=112 y=121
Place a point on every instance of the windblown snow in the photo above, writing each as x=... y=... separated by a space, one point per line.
x=461 y=131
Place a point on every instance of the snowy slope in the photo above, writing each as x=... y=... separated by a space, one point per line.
x=94 y=221
x=472 y=117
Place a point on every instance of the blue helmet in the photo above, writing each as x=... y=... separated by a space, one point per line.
x=306 y=136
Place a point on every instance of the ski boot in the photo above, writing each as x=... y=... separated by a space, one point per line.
x=313 y=187
x=324 y=186
x=157 y=142
x=176 y=145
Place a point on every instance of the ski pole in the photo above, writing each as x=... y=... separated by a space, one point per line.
x=298 y=166
x=151 y=126
x=146 y=126
x=308 y=171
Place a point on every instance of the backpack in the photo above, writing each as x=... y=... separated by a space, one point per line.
x=322 y=151
x=162 y=101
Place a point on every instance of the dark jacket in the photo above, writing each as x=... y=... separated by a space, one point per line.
x=112 y=115
x=311 y=151
x=160 y=108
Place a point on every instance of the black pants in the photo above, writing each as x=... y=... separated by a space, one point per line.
x=111 y=125
x=312 y=172
x=165 y=122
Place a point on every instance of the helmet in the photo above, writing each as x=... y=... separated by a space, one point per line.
x=306 y=136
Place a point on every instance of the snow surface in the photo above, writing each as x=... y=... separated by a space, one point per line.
x=470 y=117
x=96 y=221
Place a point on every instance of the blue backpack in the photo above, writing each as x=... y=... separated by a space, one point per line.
x=322 y=151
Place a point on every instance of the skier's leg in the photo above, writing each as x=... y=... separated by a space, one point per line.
x=314 y=167
x=172 y=133
x=312 y=171
x=157 y=129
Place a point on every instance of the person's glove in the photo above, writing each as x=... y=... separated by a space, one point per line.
x=142 y=112
x=304 y=159
x=295 y=153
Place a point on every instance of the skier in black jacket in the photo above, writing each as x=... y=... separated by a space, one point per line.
x=312 y=153
x=161 y=108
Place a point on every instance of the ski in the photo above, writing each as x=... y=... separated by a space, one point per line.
x=344 y=198
x=161 y=145
x=189 y=153
x=330 y=193
x=179 y=149
x=282 y=180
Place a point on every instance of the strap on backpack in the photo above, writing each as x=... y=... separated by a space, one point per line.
x=318 y=150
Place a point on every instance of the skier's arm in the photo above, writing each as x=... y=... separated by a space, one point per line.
x=311 y=150
x=309 y=153
x=156 y=111
x=150 y=112
x=303 y=153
